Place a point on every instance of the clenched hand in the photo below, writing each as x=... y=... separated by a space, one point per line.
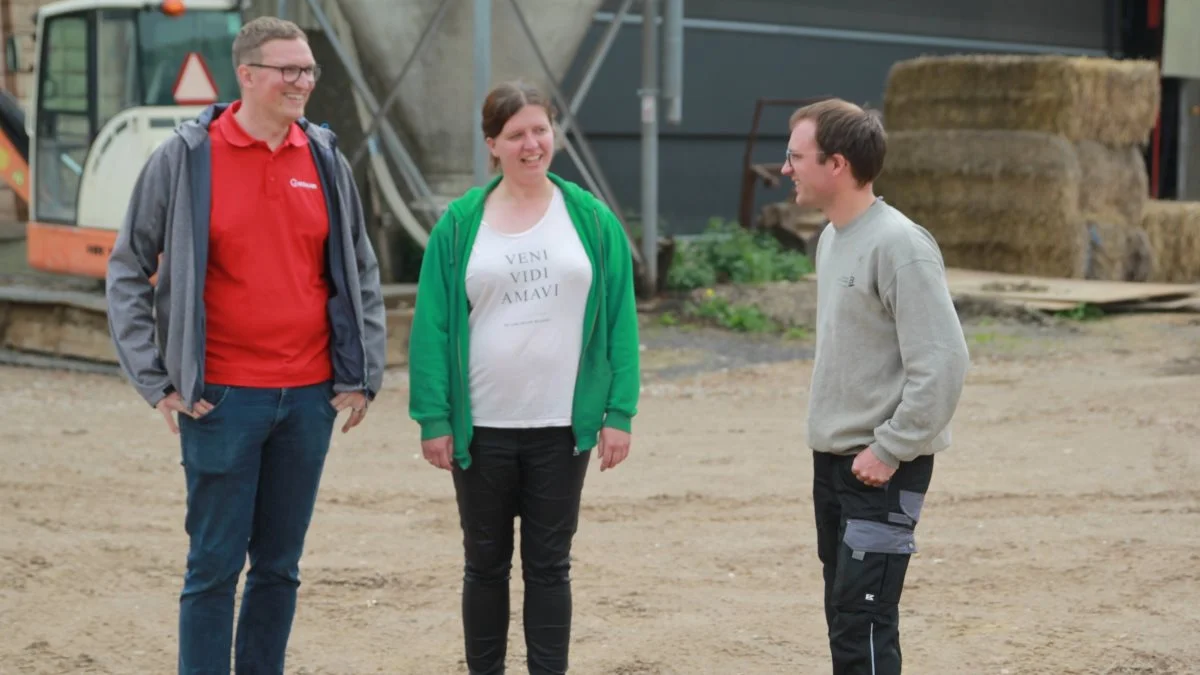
x=439 y=451
x=614 y=447
x=870 y=469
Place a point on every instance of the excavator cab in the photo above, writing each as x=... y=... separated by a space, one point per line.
x=114 y=78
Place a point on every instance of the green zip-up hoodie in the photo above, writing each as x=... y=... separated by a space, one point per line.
x=609 y=381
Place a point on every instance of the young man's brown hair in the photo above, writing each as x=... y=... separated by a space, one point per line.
x=847 y=130
x=260 y=31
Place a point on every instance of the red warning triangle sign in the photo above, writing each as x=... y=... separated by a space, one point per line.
x=195 y=84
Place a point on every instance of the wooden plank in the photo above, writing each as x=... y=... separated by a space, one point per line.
x=1033 y=304
x=1043 y=305
x=1054 y=294
x=1186 y=304
x=1078 y=291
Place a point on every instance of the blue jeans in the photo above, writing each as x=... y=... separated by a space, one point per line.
x=253 y=465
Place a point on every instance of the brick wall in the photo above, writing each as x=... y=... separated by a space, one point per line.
x=21 y=13
x=18 y=19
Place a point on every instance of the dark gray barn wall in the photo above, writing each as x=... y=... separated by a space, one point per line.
x=729 y=65
x=1071 y=23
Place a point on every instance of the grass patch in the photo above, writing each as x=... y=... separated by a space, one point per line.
x=992 y=340
x=1081 y=312
x=736 y=317
x=713 y=310
x=797 y=333
x=730 y=253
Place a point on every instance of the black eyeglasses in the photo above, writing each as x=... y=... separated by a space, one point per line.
x=292 y=73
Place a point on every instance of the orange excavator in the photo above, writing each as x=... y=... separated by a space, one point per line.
x=14 y=146
x=113 y=78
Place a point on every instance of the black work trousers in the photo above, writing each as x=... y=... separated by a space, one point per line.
x=864 y=541
x=534 y=474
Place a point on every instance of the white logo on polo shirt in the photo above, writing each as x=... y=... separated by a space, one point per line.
x=301 y=184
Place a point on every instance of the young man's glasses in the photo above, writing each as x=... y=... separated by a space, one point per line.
x=292 y=73
x=789 y=156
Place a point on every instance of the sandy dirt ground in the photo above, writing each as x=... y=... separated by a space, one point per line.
x=1060 y=535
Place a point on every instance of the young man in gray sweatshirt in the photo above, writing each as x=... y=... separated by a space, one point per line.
x=889 y=368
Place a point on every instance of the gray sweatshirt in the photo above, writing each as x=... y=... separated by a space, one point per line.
x=891 y=358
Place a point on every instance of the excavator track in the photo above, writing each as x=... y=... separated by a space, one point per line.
x=66 y=328
x=58 y=328
x=10 y=357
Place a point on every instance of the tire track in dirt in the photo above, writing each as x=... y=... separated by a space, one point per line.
x=976 y=505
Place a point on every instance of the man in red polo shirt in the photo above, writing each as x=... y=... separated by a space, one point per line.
x=266 y=240
x=266 y=321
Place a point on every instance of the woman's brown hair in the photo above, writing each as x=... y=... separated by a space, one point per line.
x=506 y=100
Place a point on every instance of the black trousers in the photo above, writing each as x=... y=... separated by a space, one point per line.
x=864 y=541
x=536 y=475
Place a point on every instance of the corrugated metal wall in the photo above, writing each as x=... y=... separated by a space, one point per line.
x=737 y=52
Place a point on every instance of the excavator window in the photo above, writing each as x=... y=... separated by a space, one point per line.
x=97 y=63
x=166 y=41
x=64 y=124
x=117 y=85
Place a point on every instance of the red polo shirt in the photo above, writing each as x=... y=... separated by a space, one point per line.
x=265 y=294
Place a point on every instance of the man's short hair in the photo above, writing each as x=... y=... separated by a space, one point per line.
x=846 y=129
x=247 y=46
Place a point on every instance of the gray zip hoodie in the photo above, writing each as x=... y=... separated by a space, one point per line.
x=891 y=359
x=158 y=329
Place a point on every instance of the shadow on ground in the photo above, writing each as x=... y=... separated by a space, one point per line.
x=670 y=352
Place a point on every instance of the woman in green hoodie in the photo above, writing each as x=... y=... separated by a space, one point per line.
x=523 y=358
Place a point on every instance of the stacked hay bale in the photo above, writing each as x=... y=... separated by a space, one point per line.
x=1005 y=201
x=1173 y=229
x=1112 y=198
x=1025 y=164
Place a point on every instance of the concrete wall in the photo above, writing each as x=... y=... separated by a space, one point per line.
x=738 y=52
